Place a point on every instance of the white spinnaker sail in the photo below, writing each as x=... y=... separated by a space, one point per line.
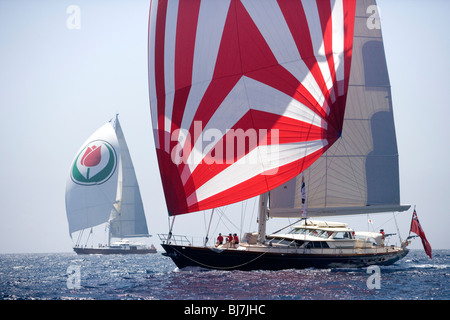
x=127 y=217
x=92 y=184
x=359 y=173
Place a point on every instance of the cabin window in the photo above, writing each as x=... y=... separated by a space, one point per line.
x=315 y=233
x=326 y=234
x=317 y=245
x=287 y=242
x=284 y=242
x=298 y=231
x=342 y=235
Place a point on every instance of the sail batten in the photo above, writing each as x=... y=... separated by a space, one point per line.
x=229 y=80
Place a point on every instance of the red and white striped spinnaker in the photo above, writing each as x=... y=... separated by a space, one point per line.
x=244 y=94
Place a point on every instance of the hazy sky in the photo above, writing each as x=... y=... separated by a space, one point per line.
x=58 y=84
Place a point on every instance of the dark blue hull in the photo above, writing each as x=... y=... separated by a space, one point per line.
x=232 y=259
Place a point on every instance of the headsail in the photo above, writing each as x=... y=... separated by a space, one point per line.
x=92 y=184
x=244 y=94
x=359 y=173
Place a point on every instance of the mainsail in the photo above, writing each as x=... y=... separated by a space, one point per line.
x=359 y=173
x=102 y=186
x=128 y=216
x=244 y=94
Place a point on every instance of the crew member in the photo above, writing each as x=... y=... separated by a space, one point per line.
x=383 y=236
x=229 y=240
x=235 y=241
x=219 y=240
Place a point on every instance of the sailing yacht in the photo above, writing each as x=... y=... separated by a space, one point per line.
x=102 y=189
x=288 y=100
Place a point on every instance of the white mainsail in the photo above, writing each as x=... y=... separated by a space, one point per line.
x=127 y=217
x=102 y=187
x=359 y=173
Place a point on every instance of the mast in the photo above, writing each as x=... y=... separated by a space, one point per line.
x=262 y=217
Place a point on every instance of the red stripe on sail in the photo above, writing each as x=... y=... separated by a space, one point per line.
x=256 y=185
x=248 y=133
x=159 y=67
x=295 y=17
x=188 y=12
x=173 y=187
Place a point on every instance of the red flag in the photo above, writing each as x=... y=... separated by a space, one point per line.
x=417 y=229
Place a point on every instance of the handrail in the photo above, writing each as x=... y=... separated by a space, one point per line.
x=174 y=239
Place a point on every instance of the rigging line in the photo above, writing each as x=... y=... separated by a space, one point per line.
x=209 y=226
x=253 y=214
x=398 y=230
x=218 y=222
x=387 y=221
x=231 y=222
x=242 y=216
x=80 y=235
x=221 y=214
x=88 y=237
x=171 y=227
x=290 y=225
x=204 y=221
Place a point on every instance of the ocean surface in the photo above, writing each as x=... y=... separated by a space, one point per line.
x=66 y=276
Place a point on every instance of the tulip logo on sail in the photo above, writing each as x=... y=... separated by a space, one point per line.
x=95 y=164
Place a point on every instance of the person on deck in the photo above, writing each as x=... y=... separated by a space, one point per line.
x=229 y=240
x=219 y=240
x=383 y=235
x=235 y=241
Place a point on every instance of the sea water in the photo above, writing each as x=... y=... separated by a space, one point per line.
x=67 y=276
